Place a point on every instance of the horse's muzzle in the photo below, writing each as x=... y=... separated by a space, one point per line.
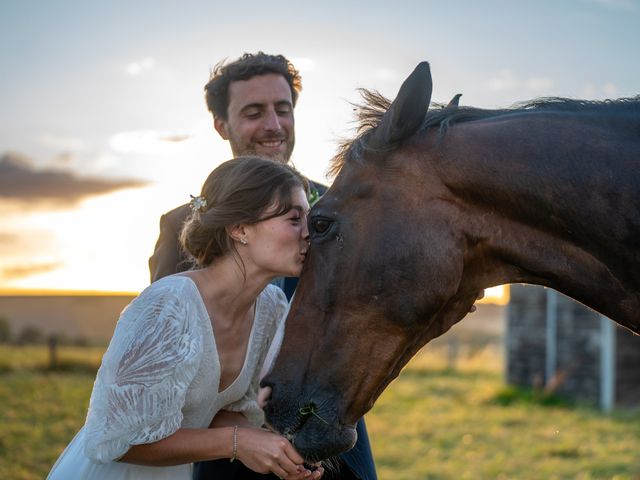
x=312 y=425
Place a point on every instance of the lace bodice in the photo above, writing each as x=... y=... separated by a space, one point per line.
x=161 y=370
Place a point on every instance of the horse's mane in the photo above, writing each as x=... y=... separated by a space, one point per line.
x=369 y=113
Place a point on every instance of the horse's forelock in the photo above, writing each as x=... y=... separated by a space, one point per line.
x=367 y=117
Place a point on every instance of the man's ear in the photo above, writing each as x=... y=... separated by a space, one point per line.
x=221 y=127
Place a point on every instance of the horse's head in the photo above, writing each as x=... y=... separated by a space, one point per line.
x=382 y=278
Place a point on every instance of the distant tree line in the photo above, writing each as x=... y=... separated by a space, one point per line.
x=32 y=335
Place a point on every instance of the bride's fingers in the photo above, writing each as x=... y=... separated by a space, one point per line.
x=279 y=472
x=317 y=473
x=300 y=473
x=286 y=467
x=292 y=455
x=263 y=395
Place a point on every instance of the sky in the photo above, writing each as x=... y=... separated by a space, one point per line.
x=103 y=125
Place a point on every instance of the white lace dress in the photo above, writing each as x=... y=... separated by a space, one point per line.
x=161 y=372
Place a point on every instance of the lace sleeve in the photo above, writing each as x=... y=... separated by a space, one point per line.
x=145 y=374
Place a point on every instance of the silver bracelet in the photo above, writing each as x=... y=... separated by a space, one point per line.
x=235 y=443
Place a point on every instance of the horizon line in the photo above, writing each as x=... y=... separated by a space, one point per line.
x=44 y=292
x=51 y=292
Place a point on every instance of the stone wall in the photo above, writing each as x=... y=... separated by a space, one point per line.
x=579 y=344
x=578 y=351
x=525 y=342
x=627 y=368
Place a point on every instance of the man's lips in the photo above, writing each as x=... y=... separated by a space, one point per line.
x=271 y=143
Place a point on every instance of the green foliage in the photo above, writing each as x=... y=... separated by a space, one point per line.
x=509 y=395
x=30 y=335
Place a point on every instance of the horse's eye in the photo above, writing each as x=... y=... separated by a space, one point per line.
x=320 y=225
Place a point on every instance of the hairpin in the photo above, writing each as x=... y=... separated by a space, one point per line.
x=198 y=204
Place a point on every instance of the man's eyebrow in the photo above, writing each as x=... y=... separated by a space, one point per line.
x=257 y=105
x=284 y=102
x=261 y=106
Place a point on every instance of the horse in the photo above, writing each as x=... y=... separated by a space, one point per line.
x=430 y=206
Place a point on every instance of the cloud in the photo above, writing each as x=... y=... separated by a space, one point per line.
x=607 y=90
x=62 y=160
x=507 y=79
x=148 y=142
x=16 y=272
x=8 y=237
x=175 y=137
x=9 y=240
x=539 y=83
x=504 y=80
x=21 y=181
x=610 y=89
x=58 y=142
x=136 y=68
x=24 y=241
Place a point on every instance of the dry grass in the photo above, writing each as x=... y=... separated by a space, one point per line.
x=432 y=423
x=438 y=423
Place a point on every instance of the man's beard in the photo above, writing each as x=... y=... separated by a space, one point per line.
x=280 y=157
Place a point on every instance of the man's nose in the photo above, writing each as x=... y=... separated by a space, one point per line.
x=271 y=121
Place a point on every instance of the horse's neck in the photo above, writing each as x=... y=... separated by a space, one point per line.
x=549 y=209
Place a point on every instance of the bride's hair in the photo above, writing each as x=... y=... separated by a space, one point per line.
x=239 y=191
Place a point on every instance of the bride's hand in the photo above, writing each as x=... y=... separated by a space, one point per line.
x=265 y=452
x=263 y=395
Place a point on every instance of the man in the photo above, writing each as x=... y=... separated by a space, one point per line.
x=252 y=101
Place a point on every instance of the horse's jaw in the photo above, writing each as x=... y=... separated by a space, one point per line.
x=318 y=413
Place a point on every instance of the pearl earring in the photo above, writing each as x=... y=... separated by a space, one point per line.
x=243 y=241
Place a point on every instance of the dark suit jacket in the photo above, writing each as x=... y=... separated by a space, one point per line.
x=169 y=258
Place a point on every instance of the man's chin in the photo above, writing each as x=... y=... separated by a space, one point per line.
x=280 y=154
x=280 y=157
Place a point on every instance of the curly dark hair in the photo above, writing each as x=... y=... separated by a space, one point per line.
x=216 y=91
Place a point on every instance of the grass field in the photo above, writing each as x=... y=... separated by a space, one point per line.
x=434 y=423
x=431 y=423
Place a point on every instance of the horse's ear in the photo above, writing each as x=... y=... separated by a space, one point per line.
x=407 y=111
x=455 y=101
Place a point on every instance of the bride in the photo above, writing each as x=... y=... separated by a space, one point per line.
x=191 y=346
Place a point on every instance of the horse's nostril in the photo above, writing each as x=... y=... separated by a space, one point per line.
x=310 y=409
